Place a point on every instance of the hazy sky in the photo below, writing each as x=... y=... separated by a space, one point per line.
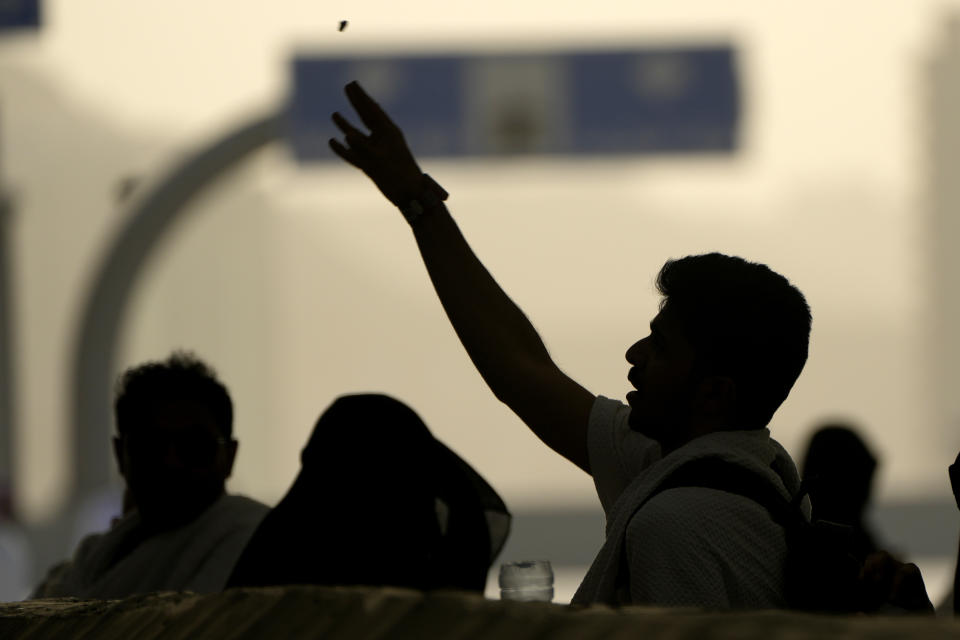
x=833 y=128
x=187 y=66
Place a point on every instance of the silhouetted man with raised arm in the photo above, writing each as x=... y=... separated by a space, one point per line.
x=723 y=353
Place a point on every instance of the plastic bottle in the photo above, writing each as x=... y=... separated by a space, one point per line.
x=530 y=580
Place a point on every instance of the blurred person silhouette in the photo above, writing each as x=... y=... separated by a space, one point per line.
x=726 y=347
x=378 y=501
x=838 y=470
x=179 y=530
x=16 y=551
x=950 y=605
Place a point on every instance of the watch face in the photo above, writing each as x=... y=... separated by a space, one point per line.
x=412 y=211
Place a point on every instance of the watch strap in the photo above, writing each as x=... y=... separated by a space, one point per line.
x=431 y=196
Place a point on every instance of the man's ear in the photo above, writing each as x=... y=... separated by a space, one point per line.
x=118 y=455
x=229 y=457
x=717 y=397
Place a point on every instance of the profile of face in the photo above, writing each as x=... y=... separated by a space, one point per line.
x=672 y=402
x=175 y=462
x=662 y=365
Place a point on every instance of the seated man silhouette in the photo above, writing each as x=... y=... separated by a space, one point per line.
x=378 y=501
x=180 y=529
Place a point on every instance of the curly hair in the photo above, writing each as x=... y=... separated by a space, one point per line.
x=181 y=376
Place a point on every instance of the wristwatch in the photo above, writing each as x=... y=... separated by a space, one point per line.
x=431 y=195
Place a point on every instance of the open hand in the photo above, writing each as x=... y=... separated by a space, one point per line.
x=383 y=154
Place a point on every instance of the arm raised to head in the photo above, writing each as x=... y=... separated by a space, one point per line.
x=500 y=340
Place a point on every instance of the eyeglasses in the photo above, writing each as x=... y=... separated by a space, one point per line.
x=195 y=449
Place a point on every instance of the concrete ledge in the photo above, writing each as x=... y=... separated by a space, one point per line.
x=359 y=613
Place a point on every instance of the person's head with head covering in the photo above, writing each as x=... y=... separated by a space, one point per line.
x=378 y=501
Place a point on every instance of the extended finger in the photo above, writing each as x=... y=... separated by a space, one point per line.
x=356 y=140
x=347 y=154
x=369 y=111
x=344 y=125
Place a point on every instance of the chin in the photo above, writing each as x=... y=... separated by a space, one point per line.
x=644 y=427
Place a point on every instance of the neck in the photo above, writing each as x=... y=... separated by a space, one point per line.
x=168 y=519
x=695 y=430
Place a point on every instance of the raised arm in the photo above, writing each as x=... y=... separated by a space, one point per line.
x=501 y=342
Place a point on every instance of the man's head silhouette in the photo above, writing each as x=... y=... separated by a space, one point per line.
x=723 y=352
x=839 y=469
x=173 y=446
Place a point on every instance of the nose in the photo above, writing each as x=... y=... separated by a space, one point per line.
x=636 y=354
x=168 y=456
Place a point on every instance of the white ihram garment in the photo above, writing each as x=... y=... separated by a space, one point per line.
x=199 y=556
x=687 y=546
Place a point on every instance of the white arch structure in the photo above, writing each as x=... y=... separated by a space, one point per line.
x=95 y=348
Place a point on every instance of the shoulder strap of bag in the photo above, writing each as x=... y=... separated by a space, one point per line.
x=719 y=474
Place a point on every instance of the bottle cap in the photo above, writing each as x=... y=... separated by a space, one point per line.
x=529 y=573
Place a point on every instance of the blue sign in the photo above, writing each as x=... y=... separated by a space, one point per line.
x=421 y=93
x=667 y=100
x=662 y=100
x=19 y=14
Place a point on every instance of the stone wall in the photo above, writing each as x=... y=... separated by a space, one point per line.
x=357 y=613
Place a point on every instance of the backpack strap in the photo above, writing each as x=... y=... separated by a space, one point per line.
x=719 y=474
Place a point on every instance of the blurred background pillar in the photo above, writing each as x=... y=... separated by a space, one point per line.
x=943 y=192
x=7 y=386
